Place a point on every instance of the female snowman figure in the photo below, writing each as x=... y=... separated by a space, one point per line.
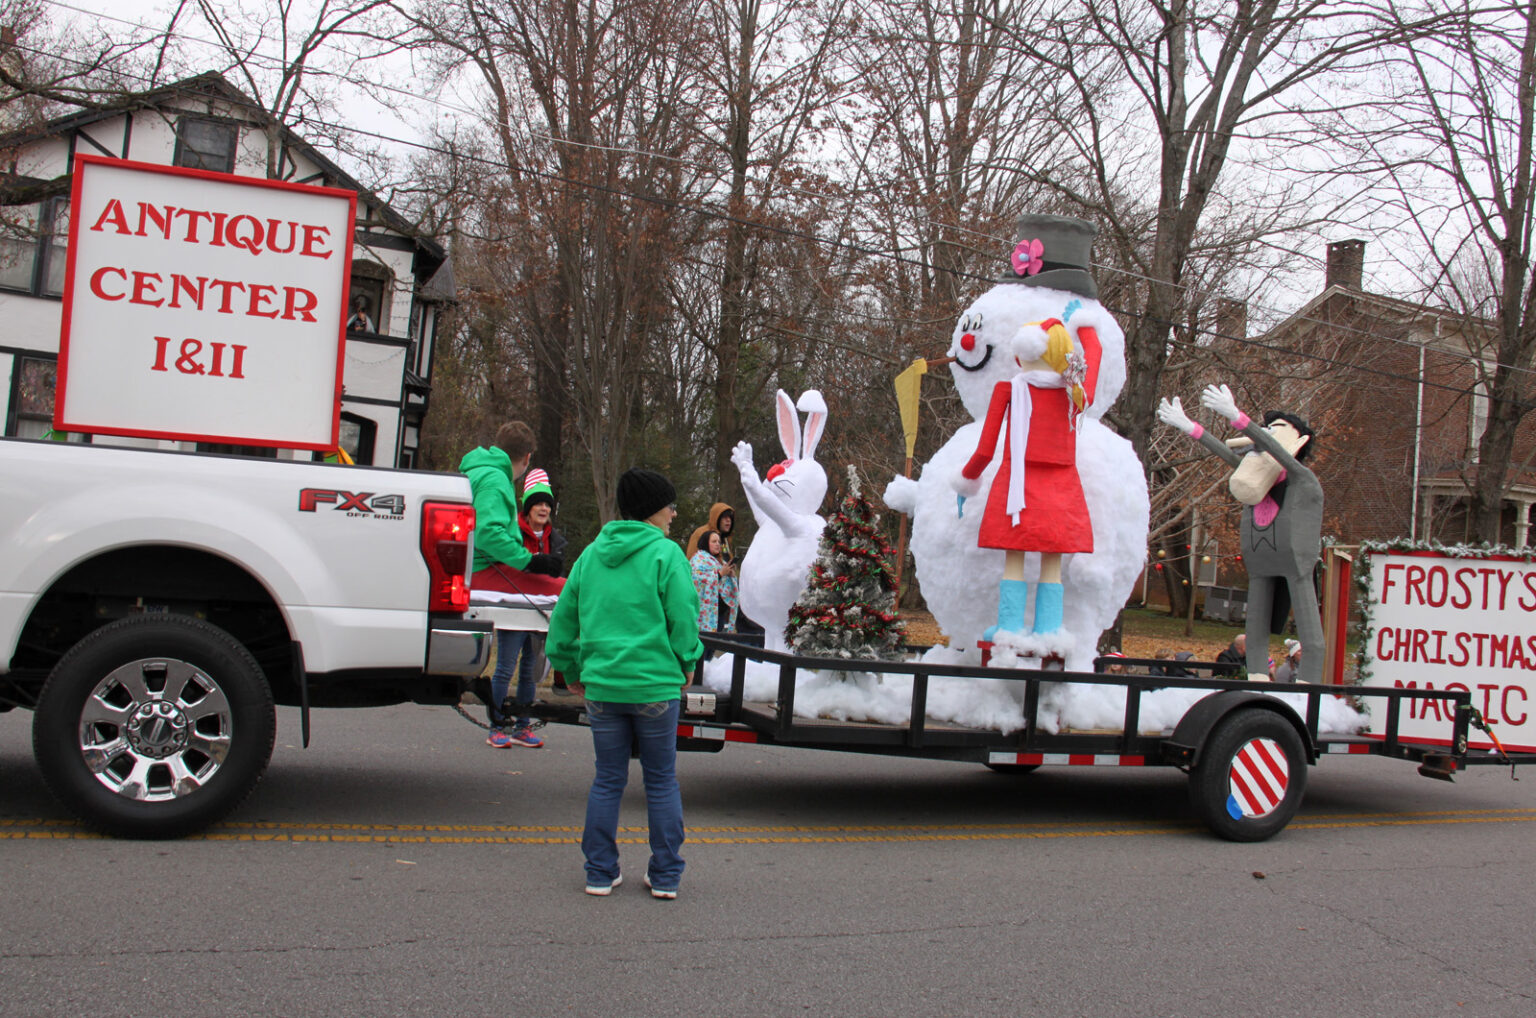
x=1036 y=501
x=961 y=579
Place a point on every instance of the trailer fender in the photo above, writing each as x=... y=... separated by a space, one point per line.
x=1187 y=742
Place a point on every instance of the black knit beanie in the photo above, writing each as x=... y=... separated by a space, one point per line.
x=643 y=493
x=534 y=498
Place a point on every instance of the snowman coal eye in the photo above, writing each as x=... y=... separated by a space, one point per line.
x=965 y=323
x=976 y=324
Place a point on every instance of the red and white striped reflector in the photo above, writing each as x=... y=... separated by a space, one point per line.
x=1351 y=747
x=1069 y=759
x=1258 y=779
x=718 y=734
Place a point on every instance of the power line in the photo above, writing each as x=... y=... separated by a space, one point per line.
x=838 y=245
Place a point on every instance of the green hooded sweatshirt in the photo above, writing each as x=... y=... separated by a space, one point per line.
x=627 y=624
x=497 y=537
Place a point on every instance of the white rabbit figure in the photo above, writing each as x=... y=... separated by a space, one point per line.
x=959 y=579
x=778 y=563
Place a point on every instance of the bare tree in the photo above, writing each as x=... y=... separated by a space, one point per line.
x=317 y=43
x=1450 y=140
x=772 y=74
x=1206 y=86
x=593 y=111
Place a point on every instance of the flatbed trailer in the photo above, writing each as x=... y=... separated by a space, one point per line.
x=1245 y=750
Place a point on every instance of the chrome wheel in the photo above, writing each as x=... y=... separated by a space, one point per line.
x=156 y=729
x=154 y=726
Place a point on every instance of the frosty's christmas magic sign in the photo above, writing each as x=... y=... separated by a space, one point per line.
x=1441 y=622
x=203 y=306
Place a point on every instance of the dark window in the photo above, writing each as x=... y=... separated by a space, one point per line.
x=206 y=144
x=33 y=252
x=370 y=286
x=365 y=304
x=357 y=437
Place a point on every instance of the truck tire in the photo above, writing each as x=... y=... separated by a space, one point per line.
x=154 y=726
x=1251 y=775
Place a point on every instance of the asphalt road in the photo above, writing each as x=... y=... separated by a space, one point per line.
x=402 y=867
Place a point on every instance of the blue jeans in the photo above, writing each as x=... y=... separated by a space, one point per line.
x=512 y=644
x=615 y=727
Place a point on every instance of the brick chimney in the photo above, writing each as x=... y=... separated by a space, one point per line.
x=1232 y=318
x=1346 y=264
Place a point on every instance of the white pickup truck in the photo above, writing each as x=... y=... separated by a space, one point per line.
x=154 y=606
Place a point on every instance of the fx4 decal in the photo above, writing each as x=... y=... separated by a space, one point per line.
x=361 y=503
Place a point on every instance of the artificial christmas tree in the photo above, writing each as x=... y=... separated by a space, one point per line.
x=848 y=609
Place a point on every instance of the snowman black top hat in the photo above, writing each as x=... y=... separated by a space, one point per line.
x=1053 y=252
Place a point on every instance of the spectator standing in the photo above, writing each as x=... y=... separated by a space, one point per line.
x=359 y=320
x=625 y=634
x=722 y=520
x=521 y=646
x=500 y=557
x=717 y=612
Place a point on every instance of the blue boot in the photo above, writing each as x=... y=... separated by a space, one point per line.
x=1011 y=598
x=1048 y=603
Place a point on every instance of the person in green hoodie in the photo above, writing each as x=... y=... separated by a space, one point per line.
x=493 y=473
x=625 y=635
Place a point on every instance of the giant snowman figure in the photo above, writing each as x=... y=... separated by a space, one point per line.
x=1047 y=278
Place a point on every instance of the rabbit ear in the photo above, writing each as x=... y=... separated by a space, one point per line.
x=789 y=426
x=816 y=423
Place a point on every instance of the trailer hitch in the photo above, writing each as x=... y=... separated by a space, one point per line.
x=1441 y=768
x=1475 y=717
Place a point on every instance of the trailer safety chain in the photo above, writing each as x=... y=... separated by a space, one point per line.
x=1476 y=718
x=505 y=704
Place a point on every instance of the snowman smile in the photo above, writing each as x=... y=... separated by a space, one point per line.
x=979 y=364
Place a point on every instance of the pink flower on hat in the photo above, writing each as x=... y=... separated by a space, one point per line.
x=1027 y=258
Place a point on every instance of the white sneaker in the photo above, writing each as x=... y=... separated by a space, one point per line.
x=602 y=891
x=657 y=892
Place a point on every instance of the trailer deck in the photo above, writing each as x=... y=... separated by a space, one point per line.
x=1245 y=749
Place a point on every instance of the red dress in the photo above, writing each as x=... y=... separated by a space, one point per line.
x=1055 y=514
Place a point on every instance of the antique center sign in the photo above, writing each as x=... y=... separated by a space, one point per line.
x=1441 y=622
x=202 y=306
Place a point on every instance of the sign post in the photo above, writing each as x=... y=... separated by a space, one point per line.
x=204 y=307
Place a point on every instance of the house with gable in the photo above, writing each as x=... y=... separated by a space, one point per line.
x=401 y=282
x=1397 y=391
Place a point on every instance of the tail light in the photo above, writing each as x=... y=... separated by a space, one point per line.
x=446 y=528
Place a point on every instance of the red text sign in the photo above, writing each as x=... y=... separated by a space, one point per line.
x=1438 y=622
x=203 y=306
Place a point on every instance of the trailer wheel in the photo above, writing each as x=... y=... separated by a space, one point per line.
x=1251 y=776
x=1017 y=769
x=154 y=726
